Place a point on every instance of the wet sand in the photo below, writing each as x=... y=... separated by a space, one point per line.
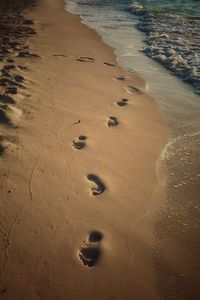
x=80 y=140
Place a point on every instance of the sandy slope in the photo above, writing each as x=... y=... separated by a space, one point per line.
x=47 y=204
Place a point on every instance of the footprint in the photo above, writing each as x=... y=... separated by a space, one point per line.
x=4 y=118
x=77 y=122
x=109 y=64
x=27 y=54
x=122 y=102
x=82 y=137
x=79 y=143
x=60 y=55
x=133 y=90
x=22 y=68
x=119 y=77
x=28 y=22
x=9 y=67
x=112 y=122
x=97 y=185
x=10 y=60
x=6 y=99
x=11 y=90
x=19 y=78
x=85 y=59
x=2 y=147
x=90 y=251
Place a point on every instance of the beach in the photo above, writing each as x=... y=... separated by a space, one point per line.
x=81 y=193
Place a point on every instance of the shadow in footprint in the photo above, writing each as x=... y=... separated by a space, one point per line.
x=122 y=102
x=4 y=119
x=59 y=55
x=97 y=185
x=28 y=22
x=10 y=60
x=28 y=54
x=109 y=64
x=79 y=143
x=85 y=59
x=2 y=148
x=82 y=137
x=8 y=67
x=4 y=145
x=133 y=90
x=112 y=122
x=11 y=90
x=5 y=73
x=119 y=77
x=22 y=68
x=90 y=251
x=19 y=78
x=7 y=99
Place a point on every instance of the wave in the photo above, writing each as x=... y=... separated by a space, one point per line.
x=172 y=40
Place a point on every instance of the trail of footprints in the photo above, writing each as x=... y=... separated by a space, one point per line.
x=90 y=250
x=14 y=30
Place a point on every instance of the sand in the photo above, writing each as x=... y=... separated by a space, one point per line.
x=80 y=145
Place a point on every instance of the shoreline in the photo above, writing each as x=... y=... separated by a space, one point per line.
x=69 y=100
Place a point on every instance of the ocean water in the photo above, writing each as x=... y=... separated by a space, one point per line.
x=173 y=35
x=159 y=40
x=171 y=28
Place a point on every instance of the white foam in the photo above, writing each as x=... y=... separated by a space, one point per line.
x=70 y=7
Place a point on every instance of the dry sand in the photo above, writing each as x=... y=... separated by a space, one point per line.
x=79 y=189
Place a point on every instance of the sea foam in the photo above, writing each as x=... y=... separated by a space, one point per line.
x=173 y=40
